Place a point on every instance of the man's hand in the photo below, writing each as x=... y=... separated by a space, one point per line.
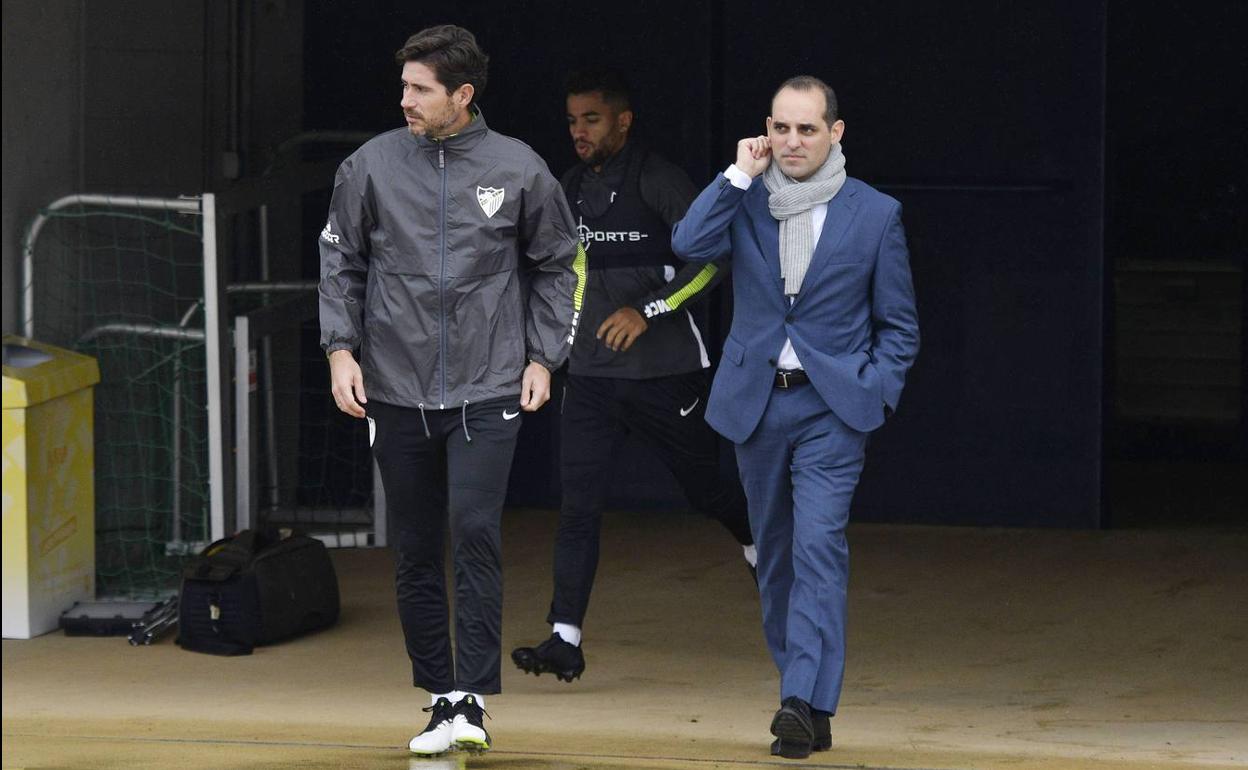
x=347 y=383
x=534 y=387
x=621 y=329
x=753 y=155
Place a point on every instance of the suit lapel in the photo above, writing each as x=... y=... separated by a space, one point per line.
x=767 y=229
x=841 y=210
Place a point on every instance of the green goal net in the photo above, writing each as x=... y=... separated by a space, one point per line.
x=125 y=285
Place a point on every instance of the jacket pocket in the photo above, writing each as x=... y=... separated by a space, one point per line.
x=734 y=351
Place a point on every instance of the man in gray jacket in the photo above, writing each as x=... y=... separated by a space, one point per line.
x=429 y=230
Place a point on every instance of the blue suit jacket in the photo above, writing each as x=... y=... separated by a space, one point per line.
x=853 y=324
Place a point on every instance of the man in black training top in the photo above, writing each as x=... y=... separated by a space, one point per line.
x=639 y=364
x=430 y=227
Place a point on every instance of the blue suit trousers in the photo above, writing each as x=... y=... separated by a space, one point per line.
x=799 y=469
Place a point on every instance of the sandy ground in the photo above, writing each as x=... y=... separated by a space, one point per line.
x=969 y=648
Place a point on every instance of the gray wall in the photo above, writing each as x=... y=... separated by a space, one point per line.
x=145 y=103
x=43 y=151
x=140 y=97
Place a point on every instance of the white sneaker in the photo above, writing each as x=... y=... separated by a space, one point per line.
x=437 y=737
x=468 y=732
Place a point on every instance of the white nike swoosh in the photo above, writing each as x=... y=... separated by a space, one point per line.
x=685 y=412
x=511 y=416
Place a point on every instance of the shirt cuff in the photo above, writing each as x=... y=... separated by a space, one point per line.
x=739 y=178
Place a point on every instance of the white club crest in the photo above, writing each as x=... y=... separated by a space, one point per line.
x=490 y=199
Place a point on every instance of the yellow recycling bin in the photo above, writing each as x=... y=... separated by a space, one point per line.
x=49 y=484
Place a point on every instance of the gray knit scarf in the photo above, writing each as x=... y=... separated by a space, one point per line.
x=790 y=202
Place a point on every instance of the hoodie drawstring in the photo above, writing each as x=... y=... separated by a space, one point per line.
x=463 y=414
x=425 y=422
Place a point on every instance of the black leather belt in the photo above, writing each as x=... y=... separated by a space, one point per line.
x=790 y=378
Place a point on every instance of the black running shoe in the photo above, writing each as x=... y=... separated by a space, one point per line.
x=467 y=728
x=553 y=656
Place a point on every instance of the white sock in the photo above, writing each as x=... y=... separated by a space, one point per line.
x=433 y=697
x=751 y=554
x=568 y=633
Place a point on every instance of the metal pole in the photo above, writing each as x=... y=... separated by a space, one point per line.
x=252 y=287
x=176 y=438
x=175 y=533
x=212 y=345
x=242 y=422
x=143 y=330
x=266 y=347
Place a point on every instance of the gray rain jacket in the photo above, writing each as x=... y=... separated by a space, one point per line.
x=421 y=269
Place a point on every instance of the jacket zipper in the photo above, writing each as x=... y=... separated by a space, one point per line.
x=442 y=281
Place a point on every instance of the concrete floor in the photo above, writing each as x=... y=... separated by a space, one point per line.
x=969 y=648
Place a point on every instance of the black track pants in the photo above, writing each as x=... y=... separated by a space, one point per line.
x=667 y=413
x=430 y=479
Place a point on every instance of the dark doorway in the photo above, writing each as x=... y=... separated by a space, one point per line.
x=1176 y=169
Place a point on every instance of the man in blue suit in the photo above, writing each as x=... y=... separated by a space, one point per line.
x=823 y=331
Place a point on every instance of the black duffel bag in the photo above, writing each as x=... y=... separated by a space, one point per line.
x=256 y=588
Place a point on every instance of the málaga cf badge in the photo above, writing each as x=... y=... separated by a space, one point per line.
x=490 y=199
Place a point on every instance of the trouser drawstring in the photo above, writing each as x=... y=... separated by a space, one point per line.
x=423 y=421
x=463 y=414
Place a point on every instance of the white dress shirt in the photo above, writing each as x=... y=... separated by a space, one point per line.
x=819 y=212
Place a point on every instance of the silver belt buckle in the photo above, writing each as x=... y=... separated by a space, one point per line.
x=784 y=379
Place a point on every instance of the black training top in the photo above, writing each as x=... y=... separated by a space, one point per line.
x=625 y=215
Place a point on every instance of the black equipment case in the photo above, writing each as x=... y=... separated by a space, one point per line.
x=105 y=618
x=256 y=588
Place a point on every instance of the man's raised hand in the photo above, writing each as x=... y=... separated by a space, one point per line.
x=753 y=155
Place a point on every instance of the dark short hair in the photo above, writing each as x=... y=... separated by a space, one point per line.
x=812 y=83
x=608 y=82
x=453 y=55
